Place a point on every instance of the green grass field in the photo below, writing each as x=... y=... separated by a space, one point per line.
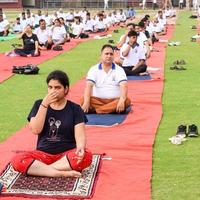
x=176 y=169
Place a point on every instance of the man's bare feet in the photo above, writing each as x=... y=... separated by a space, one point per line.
x=144 y=74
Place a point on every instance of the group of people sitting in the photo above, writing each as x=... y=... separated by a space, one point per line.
x=137 y=43
x=41 y=32
x=60 y=124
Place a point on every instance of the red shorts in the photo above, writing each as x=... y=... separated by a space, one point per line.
x=23 y=161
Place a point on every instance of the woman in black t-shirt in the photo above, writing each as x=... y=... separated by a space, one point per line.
x=30 y=43
x=60 y=127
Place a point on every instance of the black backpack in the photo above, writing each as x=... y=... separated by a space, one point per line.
x=27 y=69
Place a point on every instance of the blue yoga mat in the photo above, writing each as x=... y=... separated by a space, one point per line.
x=139 y=78
x=106 y=119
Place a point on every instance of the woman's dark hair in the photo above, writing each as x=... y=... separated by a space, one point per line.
x=107 y=46
x=60 y=76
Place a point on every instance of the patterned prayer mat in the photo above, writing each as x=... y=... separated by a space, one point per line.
x=16 y=184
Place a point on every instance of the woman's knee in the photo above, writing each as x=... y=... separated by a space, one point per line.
x=84 y=163
x=22 y=162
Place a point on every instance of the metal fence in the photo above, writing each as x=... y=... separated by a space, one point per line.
x=99 y=4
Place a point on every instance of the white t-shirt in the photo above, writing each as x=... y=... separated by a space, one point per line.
x=77 y=28
x=100 y=25
x=150 y=28
x=106 y=85
x=157 y=28
x=134 y=56
x=23 y=23
x=37 y=19
x=3 y=25
x=141 y=39
x=63 y=15
x=88 y=25
x=48 y=19
x=17 y=27
x=30 y=21
x=43 y=35
x=69 y=16
x=58 y=33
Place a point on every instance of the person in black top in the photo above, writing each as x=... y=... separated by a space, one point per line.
x=60 y=126
x=30 y=43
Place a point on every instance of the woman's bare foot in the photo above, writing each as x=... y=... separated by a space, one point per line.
x=71 y=173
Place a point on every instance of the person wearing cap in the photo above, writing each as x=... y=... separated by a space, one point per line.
x=106 y=87
x=60 y=127
x=134 y=56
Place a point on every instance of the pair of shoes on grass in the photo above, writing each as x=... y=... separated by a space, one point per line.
x=174 y=43
x=182 y=133
x=195 y=38
x=194 y=27
x=179 y=62
x=177 y=68
x=192 y=131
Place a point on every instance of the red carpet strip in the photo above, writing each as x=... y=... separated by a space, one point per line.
x=126 y=174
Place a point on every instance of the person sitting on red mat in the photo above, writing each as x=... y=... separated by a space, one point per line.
x=60 y=127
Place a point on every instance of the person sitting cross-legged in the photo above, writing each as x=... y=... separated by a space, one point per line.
x=60 y=127
x=30 y=43
x=106 y=87
x=134 y=56
x=44 y=35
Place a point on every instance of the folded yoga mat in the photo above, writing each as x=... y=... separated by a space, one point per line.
x=9 y=37
x=107 y=119
x=139 y=78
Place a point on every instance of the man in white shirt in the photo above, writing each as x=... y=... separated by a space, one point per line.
x=48 y=18
x=106 y=88
x=100 y=24
x=3 y=14
x=124 y=38
x=106 y=4
x=78 y=29
x=59 y=34
x=134 y=57
x=23 y=20
x=44 y=35
x=4 y=26
x=29 y=19
x=38 y=17
x=88 y=24
x=154 y=4
x=181 y=4
x=70 y=16
x=17 y=26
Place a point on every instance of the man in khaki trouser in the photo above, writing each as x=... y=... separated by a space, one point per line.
x=106 y=87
